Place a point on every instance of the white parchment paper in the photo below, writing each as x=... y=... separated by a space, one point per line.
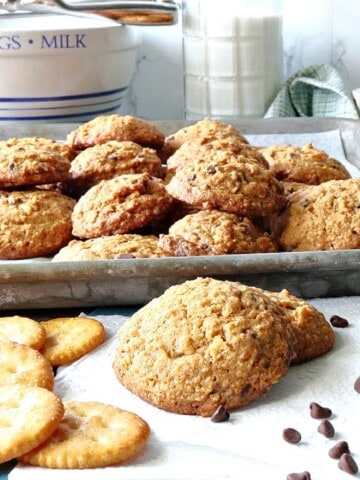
x=248 y=446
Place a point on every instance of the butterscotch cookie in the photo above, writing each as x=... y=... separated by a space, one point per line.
x=34 y=223
x=115 y=127
x=28 y=416
x=120 y=205
x=91 y=435
x=26 y=164
x=227 y=182
x=202 y=131
x=313 y=335
x=22 y=330
x=23 y=365
x=192 y=150
x=114 y=247
x=41 y=143
x=69 y=338
x=321 y=217
x=303 y=164
x=211 y=232
x=202 y=344
x=109 y=160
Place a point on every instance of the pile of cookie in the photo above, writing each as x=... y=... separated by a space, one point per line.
x=37 y=426
x=210 y=344
x=118 y=188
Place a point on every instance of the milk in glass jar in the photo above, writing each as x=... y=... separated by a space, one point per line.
x=233 y=57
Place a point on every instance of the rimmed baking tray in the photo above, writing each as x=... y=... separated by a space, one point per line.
x=33 y=284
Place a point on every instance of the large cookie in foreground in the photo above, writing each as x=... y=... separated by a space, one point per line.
x=202 y=344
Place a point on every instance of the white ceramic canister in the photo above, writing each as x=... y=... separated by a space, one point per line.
x=63 y=67
x=233 y=57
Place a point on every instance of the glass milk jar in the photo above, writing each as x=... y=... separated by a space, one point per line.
x=232 y=57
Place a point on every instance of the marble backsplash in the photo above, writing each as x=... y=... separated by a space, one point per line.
x=315 y=31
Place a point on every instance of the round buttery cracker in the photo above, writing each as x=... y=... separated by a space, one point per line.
x=28 y=416
x=202 y=344
x=22 y=330
x=69 y=338
x=91 y=435
x=20 y=364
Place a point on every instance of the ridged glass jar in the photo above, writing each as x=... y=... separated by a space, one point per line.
x=232 y=57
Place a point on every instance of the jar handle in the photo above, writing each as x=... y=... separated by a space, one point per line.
x=142 y=12
x=127 y=12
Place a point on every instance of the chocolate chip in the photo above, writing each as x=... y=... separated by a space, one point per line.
x=124 y=256
x=245 y=391
x=210 y=170
x=291 y=435
x=220 y=415
x=304 y=202
x=326 y=428
x=348 y=464
x=299 y=476
x=251 y=334
x=337 y=450
x=317 y=411
x=338 y=322
x=357 y=385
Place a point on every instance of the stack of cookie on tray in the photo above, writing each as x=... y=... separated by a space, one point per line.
x=118 y=188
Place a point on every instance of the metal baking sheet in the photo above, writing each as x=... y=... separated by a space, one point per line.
x=34 y=284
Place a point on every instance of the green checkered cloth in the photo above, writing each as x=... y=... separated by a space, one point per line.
x=315 y=91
